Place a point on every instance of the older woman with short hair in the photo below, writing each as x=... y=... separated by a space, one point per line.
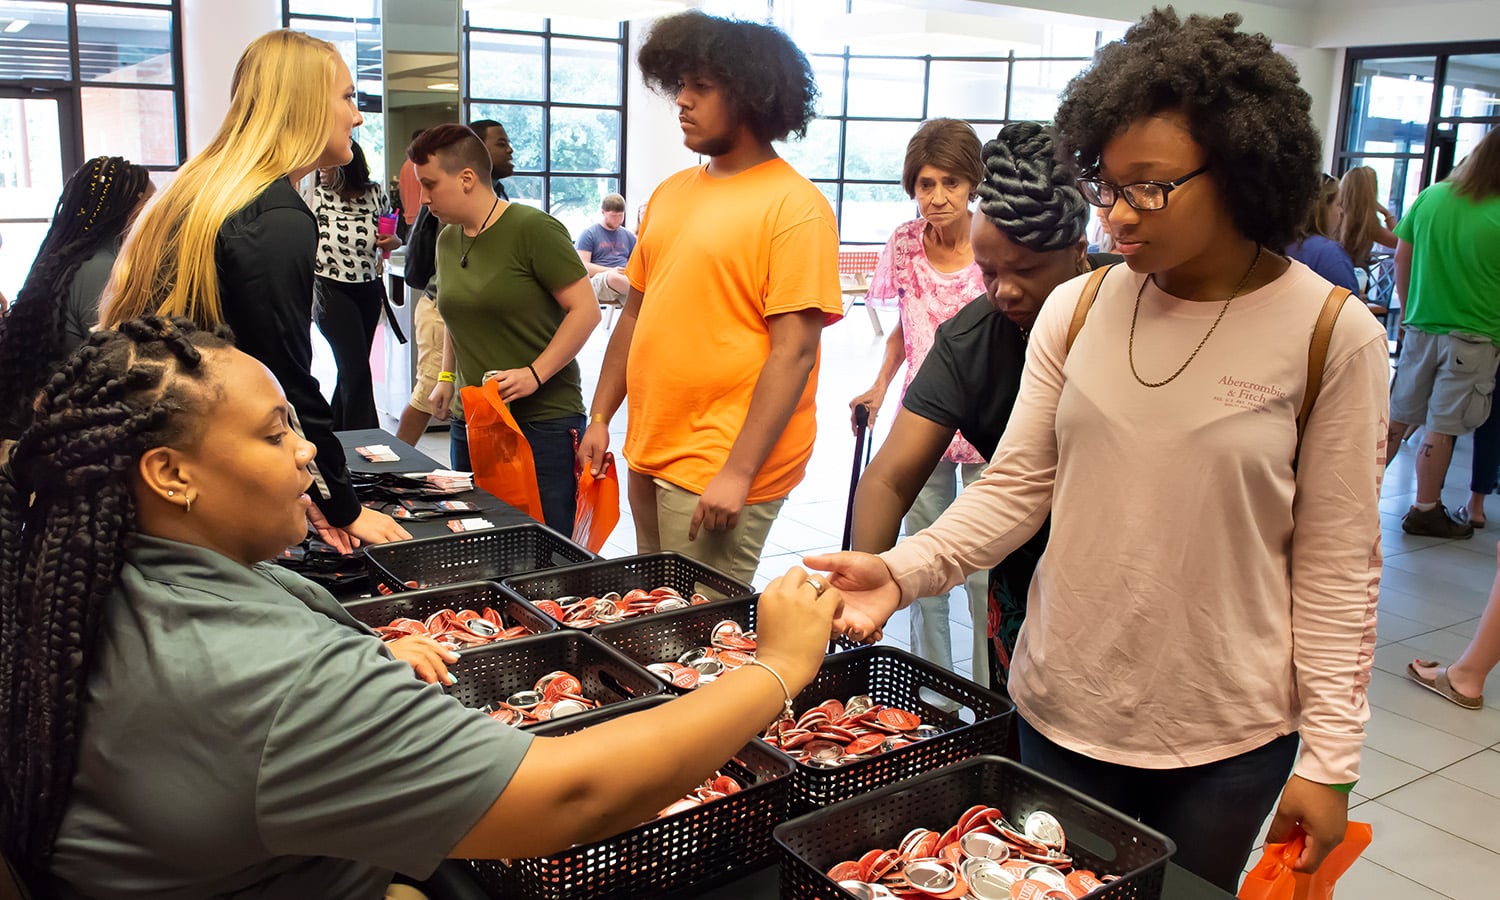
x=928 y=269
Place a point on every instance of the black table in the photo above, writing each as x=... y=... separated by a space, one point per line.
x=413 y=460
x=766 y=885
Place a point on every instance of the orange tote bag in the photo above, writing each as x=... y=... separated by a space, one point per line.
x=498 y=452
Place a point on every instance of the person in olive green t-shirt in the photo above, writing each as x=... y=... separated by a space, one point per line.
x=517 y=307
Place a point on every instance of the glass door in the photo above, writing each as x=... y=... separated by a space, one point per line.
x=35 y=140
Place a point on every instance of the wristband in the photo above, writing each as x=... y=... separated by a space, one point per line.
x=446 y=377
x=786 y=709
x=534 y=374
x=598 y=419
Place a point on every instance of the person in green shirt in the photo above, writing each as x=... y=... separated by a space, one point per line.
x=517 y=305
x=1448 y=276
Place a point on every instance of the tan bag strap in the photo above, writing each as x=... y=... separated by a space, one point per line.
x=1317 y=357
x=1085 y=302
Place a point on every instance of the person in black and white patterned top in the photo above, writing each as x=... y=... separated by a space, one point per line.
x=348 y=205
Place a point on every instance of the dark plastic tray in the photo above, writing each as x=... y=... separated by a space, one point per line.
x=894 y=677
x=1099 y=838
x=666 y=636
x=493 y=672
x=488 y=555
x=680 y=854
x=652 y=570
x=475 y=595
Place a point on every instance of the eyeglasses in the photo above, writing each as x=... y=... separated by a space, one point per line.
x=1142 y=195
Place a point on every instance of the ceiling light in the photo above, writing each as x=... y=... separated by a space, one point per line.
x=16 y=25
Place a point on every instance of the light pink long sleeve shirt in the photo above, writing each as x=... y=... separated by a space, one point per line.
x=1198 y=597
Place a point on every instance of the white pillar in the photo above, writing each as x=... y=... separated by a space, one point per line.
x=214 y=34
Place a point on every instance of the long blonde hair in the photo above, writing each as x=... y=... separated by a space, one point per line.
x=1359 y=197
x=278 y=122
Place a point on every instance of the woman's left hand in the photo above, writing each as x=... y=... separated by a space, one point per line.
x=387 y=242
x=428 y=658
x=1320 y=811
x=514 y=383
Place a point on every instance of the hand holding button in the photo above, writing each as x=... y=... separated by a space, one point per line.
x=792 y=624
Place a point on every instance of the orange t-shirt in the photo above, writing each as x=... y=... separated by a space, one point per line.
x=716 y=257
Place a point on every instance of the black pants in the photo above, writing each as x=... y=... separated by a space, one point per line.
x=1213 y=812
x=347 y=313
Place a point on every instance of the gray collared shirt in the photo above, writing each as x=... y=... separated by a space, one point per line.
x=245 y=737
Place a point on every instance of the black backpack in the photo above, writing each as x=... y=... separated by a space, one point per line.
x=421 y=250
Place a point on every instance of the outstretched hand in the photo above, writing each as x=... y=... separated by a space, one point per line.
x=870 y=593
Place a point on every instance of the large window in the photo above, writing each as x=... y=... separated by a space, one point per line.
x=79 y=80
x=353 y=26
x=1412 y=113
x=558 y=87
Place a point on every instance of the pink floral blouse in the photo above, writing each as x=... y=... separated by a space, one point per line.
x=925 y=298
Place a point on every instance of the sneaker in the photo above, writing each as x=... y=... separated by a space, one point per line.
x=1435 y=522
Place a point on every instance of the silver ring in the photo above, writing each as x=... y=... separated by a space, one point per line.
x=818 y=584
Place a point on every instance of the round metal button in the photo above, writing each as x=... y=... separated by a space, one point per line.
x=524 y=699
x=1044 y=828
x=567 y=708
x=930 y=876
x=984 y=846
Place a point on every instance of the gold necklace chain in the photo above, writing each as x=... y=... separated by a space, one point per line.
x=1223 y=309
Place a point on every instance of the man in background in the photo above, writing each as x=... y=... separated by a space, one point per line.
x=605 y=248
x=735 y=275
x=502 y=155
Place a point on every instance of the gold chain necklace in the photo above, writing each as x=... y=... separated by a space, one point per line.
x=1223 y=309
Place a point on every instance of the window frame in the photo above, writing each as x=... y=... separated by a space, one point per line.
x=70 y=90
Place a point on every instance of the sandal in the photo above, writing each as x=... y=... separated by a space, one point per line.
x=1463 y=516
x=1439 y=685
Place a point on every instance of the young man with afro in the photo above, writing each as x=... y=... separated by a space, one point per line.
x=733 y=279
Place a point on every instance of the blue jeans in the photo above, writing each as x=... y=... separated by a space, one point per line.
x=551 y=443
x=1213 y=812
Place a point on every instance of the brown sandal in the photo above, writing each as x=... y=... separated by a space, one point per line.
x=1440 y=685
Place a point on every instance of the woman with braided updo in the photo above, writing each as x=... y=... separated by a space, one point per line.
x=230 y=241
x=181 y=718
x=927 y=268
x=1027 y=239
x=59 y=303
x=1207 y=595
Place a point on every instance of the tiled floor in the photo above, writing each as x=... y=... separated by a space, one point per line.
x=1431 y=779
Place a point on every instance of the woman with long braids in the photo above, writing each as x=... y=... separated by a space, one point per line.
x=59 y=303
x=1207 y=595
x=1028 y=238
x=230 y=241
x=180 y=718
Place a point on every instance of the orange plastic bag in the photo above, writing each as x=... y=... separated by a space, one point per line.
x=1272 y=877
x=598 y=505
x=498 y=452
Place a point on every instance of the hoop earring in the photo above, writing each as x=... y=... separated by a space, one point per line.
x=188 y=503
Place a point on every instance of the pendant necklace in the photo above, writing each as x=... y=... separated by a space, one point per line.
x=1223 y=309
x=463 y=260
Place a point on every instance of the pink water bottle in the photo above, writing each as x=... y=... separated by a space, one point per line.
x=386 y=225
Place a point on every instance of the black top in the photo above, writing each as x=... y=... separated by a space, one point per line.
x=265 y=257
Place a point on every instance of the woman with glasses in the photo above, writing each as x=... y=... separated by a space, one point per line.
x=1208 y=593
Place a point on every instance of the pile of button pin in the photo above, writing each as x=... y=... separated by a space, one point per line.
x=730 y=647
x=586 y=612
x=554 y=695
x=716 y=787
x=455 y=630
x=834 y=733
x=983 y=857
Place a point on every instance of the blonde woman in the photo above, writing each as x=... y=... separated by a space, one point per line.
x=1366 y=222
x=231 y=242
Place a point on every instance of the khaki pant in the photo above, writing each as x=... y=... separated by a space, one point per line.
x=663 y=512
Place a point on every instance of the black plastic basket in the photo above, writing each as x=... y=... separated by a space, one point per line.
x=475 y=595
x=493 y=672
x=488 y=555
x=653 y=570
x=1099 y=838
x=894 y=677
x=666 y=636
x=672 y=856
